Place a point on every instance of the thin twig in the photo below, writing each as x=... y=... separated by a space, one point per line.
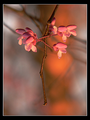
x=41 y=39
x=47 y=36
x=45 y=54
x=46 y=44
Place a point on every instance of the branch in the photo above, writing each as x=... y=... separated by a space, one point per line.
x=33 y=18
x=60 y=77
x=79 y=40
x=9 y=27
x=46 y=44
x=45 y=54
x=40 y=40
x=39 y=20
x=42 y=64
x=81 y=49
x=47 y=36
x=76 y=57
x=51 y=17
x=23 y=11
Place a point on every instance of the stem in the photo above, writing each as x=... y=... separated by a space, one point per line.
x=46 y=44
x=40 y=39
x=41 y=70
x=52 y=15
x=41 y=75
x=47 y=36
x=45 y=54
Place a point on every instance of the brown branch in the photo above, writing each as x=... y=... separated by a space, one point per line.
x=41 y=70
x=45 y=54
x=52 y=15
x=46 y=44
x=47 y=36
x=44 y=37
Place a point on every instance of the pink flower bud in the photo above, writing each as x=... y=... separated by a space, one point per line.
x=60 y=47
x=20 y=31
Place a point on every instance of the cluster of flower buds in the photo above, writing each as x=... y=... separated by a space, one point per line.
x=63 y=31
x=29 y=38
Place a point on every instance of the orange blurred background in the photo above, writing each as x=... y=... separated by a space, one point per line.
x=65 y=78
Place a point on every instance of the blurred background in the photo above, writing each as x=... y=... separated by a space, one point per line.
x=65 y=78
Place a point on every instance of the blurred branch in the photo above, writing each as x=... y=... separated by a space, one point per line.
x=61 y=76
x=79 y=40
x=45 y=54
x=9 y=27
x=80 y=60
x=81 y=49
x=76 y=58
x=34 y=19
x=76 y=48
